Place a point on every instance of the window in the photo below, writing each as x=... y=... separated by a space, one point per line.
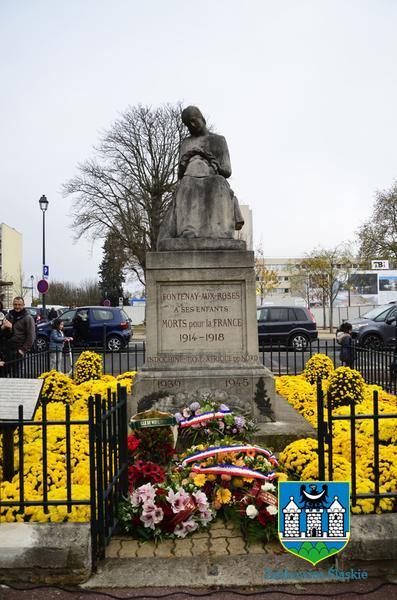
x=82 y=315
x=300 y=314
x=102 y=314
x=263 y=314
x=277 y=315
x=125 y=316
x=67 y=317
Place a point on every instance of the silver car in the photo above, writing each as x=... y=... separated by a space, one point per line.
x=376 y=328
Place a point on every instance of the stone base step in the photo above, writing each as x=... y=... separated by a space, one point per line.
x=220 y=557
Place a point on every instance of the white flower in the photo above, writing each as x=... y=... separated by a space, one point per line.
x=206 y=516
x=145 y=493
x=201 y=499
x=151 y=515
x=251 y=511
x=186 y=527
x=268 y=487
x=272 y=510
x=177 y=499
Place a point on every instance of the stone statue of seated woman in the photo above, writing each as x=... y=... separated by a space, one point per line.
x=205 y=212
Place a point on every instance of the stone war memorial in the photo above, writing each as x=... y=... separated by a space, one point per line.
x=200 y=287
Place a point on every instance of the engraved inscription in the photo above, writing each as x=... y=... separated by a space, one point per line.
x=199 y=317
x=234 y=382
x=169 y=384
x=203 y=359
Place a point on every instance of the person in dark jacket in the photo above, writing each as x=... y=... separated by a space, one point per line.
x=4 y=335
x=346 y=341
x=57 y=340
x=20 y=332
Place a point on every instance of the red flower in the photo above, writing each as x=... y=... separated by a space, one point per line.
x=132 y=443
x=144 y=472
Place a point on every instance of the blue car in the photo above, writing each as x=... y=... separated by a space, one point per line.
x=91 y=326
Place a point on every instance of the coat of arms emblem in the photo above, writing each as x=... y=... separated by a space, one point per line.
x=314 y=518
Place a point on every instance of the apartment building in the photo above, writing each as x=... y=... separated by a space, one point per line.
x=10 y=263
x=283 y=268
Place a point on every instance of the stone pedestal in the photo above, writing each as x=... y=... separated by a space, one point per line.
x=201 y=330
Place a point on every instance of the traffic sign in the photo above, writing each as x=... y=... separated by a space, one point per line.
x=106 y=302
x=46 y=271
x=42 y=286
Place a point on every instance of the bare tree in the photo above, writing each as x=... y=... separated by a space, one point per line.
x=128 y=187
x=266 y=279
x=378 y=236
x=65 y=293
x=327 y=271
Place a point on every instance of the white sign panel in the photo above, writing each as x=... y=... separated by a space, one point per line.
x=14 y=392
x=379 y=264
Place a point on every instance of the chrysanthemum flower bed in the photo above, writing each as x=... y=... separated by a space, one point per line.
x=342 y=386
x=59 y=391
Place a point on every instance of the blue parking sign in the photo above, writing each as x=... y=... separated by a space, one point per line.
x=46 y=270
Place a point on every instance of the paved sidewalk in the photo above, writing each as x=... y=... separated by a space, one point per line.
x=219 y=540
x=221 y=557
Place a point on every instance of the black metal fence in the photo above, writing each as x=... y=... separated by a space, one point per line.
x=108 y=467
x=34 y=364
x=374 y=365
x=325 y=436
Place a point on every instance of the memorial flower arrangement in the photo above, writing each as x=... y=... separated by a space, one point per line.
x=238 y=480
x=209 y=420
x=152 y=444
x=165 y=510
x=142 y=472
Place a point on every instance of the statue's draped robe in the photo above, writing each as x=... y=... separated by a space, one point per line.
x=204 y=203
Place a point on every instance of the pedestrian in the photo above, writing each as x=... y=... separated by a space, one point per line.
x=4 y=335
x=19 y=331
x=344 y=338
x=57 y=340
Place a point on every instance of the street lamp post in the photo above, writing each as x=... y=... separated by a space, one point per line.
x=31 y=286
x=43 y=202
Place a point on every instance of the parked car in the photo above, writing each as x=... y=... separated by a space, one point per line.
x=292 y=326
x=36 y=313
x=376 y=328
x=91 y=326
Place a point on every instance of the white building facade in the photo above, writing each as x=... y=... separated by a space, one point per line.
x=11 y=274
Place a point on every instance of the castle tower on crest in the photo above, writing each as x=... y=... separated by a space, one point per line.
x=313 y=522
x=291 y=519
x=335 y=519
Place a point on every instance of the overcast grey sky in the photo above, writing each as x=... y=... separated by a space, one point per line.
x=305 y=92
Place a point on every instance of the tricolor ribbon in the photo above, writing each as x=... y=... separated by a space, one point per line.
x=214 y=450
x=203 y=418
x=233 y=471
